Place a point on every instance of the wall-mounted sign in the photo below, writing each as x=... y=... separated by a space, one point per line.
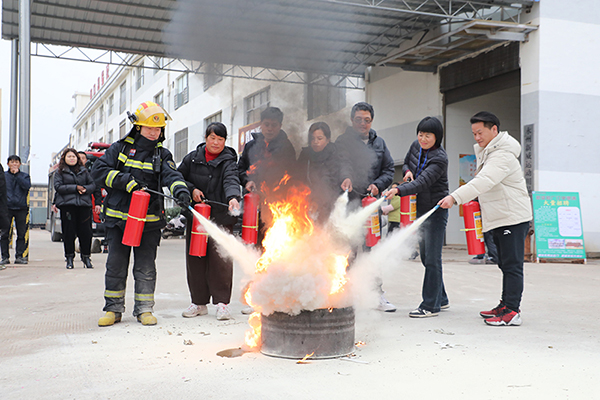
x=558 y=227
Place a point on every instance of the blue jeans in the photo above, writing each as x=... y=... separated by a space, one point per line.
x=430 y=245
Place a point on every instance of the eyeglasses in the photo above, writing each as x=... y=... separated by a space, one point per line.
x=362 y=120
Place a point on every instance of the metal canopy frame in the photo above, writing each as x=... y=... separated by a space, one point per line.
x=336 y=40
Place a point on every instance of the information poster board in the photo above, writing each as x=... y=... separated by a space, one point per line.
x=558 y=228
x=467 y=165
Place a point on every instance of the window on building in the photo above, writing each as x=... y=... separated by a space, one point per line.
x=254 y=104
x=213 y=118
x=85 y=129
x=122 y=131
x=139 y=82
x=181 y=91
x=123 y=97
x=214 y=74
x=101 y=115
x=79 y=134
x=324 y=99
x=93 y=122
x=159 y=98
x=111 y=104
x=181 y=144
x=109 y=136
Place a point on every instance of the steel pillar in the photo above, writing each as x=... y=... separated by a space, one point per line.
x=14 y=96
x=24 y=81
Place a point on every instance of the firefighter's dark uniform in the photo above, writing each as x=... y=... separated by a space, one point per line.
x=128 y=164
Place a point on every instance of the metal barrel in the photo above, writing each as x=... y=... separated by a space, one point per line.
x=328 y=333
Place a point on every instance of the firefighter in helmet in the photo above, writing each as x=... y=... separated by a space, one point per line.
x=135 y=162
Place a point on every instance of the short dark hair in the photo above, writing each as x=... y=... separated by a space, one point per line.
x=272 y=113
x=488 y=119
x=217 y=128
x=362 y=106
x=14 y=157
x=319 y=126
x=432 y=125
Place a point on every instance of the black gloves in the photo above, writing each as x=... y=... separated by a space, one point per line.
x=184 y=200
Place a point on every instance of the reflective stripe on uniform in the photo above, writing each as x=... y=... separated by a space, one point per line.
x=114 y=293
x=129 y=139
x=134 y=163
x=111 y=177
x=176 y=183
x=131 y=185
x=121 y=215
x=144 y=297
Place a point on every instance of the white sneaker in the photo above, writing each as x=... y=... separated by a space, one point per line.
x=247 y=310
x=385 y=305
x=223 y=312
x=194 y=310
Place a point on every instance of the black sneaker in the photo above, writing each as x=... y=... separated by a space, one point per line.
x=21 y=260
x=5 y=261
x=421 y=313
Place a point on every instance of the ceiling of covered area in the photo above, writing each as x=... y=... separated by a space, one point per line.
x=317 y=36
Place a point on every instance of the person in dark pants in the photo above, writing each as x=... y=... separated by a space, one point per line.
x=211 y=173
x=371 y=166
x=18 y=184
x=135 y=162
x=426 y=175
x=505 y=209
x=4 y=225
x=74 y=187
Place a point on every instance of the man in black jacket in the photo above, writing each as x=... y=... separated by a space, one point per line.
x=366 y=154
x=267 y=157
x=4 y=226
x=137 y=161
x=18 y=184
x=371 y=163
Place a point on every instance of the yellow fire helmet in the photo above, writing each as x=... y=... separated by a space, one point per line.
x=151 y=114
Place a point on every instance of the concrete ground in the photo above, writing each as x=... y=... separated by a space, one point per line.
x=52 y=348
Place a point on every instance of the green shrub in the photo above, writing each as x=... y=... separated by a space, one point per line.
x=172 y=212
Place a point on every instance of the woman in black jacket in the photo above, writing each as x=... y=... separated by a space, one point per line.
x=74 y=187
x=211 y=173
x=321 y=168
x=426 y=175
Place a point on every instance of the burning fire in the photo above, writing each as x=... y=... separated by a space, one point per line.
x=301 y=268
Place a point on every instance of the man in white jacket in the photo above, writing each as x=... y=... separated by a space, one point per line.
x=505 y=209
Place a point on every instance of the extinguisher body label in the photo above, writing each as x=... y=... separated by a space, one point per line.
x=413 y=207
x=375 y=228
x=478 y=225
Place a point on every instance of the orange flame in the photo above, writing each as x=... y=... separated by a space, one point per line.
x=303 y=361
x=253 y=336
x=251 y=170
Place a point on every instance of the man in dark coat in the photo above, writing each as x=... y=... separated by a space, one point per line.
x=366 y=154
x=371 y=163
x=266 y=158
x=138 y=160
x=4 y=225
x=18 y=184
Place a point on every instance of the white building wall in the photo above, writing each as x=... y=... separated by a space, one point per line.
x=560 y=89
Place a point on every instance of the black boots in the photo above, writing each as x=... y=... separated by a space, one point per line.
x=87 y=261
x=69 y=258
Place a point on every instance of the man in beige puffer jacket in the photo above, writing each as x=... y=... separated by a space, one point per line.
x=505 y=209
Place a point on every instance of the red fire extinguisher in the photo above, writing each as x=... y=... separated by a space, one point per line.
x=408 y=209
x=199 y=239
x=473 y=228
x=373 y=227
x=250 y=218
x=136 y=218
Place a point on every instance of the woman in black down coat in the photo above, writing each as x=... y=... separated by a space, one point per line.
x=426 y=175
x=211 y=172
x=74 y=187
x=321 y=168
